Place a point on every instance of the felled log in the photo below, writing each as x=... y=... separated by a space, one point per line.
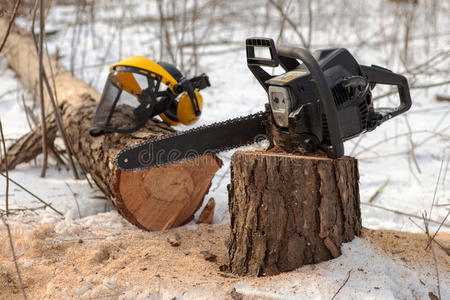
x=154 y=199
x=289 y=210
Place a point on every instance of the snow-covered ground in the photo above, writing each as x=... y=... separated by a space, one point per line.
x=103 y=256
x=371 y=274
x=407 y=154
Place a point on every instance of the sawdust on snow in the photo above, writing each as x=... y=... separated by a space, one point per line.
x=90 y=264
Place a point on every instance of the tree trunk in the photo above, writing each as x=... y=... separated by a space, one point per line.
x=154 y=199
x=289 y=210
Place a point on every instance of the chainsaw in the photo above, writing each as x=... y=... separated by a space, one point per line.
x=322 y=100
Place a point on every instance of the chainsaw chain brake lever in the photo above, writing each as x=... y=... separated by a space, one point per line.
x=378 y=75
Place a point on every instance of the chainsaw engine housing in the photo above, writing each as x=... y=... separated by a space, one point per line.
x=324 y=98
x=291 y=92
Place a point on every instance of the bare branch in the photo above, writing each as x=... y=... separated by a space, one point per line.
x=54 y=102
x=445 y=249
x=437 y=231
x=11 y=21
x=294 y=26
x=41 y=83
x=75 y=199
x=402 y=213
x=426 y=221
x=378 y=191
x=5 y=161
x=437 y=184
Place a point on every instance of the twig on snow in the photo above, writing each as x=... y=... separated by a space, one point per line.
x=11 y=244
x=442 y=205
x=345 y=282
x=21 y=210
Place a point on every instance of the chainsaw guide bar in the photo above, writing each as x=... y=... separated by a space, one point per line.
x=193 y=143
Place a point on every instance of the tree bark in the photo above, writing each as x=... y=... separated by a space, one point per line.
x=154 y=199
x=289 y=210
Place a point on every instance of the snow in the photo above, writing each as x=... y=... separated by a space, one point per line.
x=384 y=155
x=373 y=275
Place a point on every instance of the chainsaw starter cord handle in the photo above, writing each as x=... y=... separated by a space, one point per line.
x=325 y=96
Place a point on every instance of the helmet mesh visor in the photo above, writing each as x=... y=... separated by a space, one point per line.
x=126 y=101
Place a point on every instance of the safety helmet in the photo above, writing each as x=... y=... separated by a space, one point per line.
x=138 y=89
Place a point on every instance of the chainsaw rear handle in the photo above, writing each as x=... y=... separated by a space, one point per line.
x=378 y=75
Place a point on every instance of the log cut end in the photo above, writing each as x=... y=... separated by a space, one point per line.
x=166 y=197
x=289 y=210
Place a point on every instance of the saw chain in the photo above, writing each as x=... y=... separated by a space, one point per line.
x=193 y=143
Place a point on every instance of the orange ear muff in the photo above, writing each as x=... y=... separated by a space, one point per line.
x=168 y=120
x=185 y=110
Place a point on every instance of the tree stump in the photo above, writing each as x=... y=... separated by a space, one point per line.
x=289 y=210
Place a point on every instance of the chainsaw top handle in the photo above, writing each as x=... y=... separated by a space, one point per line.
x=287 y=58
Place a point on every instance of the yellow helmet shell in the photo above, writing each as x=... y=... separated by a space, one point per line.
x=144 y=63
x=185 y=111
